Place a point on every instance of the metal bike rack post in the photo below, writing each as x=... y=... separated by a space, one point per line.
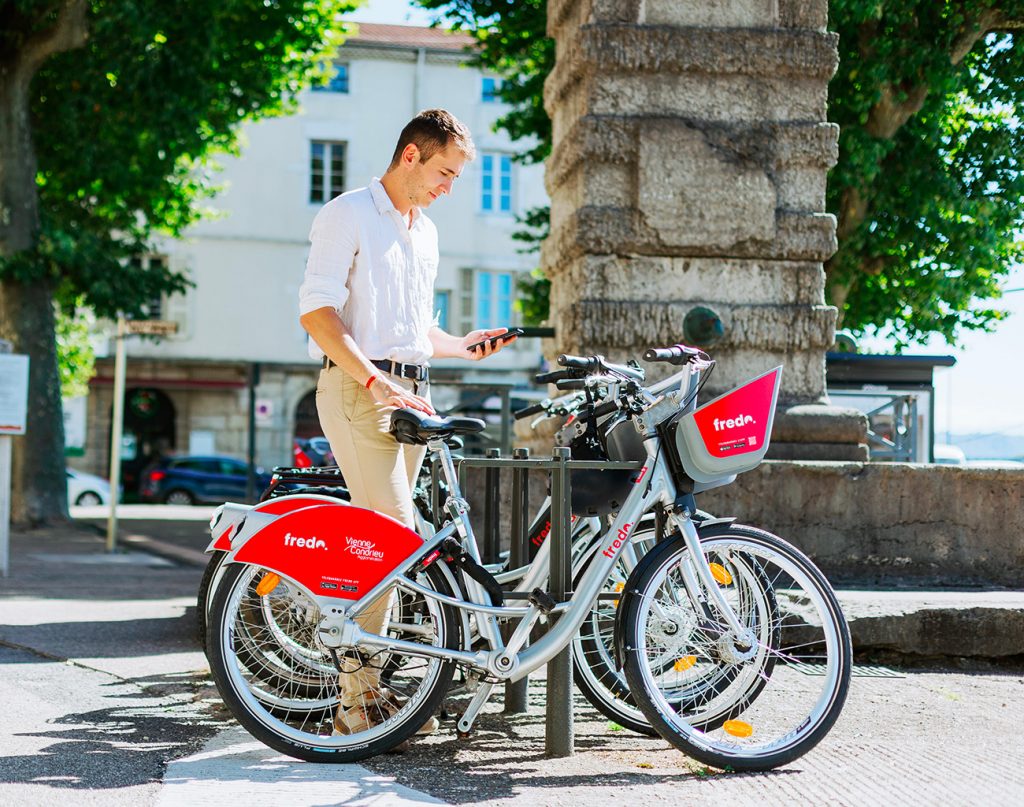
x=559 y=734
x=492 y=508
x=519 y=552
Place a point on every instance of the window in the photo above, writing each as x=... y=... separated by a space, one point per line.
x=154 y=307
x=442 y=301
x=326 y=170
x=489 y=89
x=496 y=184
x=493 y=299
x=338 y=81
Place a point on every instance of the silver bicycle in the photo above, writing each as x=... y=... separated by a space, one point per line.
x=732 y=643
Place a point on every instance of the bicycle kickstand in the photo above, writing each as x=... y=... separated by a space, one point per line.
x=465 y=724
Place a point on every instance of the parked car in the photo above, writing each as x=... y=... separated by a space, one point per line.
x=86 y=490
x=196 y=480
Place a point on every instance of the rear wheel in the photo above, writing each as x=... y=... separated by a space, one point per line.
x=778 y=688
x=248 y=658
x=88 y=499
x=179 y=496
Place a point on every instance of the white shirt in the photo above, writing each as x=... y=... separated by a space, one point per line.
x=376 y=271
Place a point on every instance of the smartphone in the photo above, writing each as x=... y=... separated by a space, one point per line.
x=502 y=337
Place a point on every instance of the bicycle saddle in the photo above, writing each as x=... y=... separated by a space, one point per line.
x=416 y=428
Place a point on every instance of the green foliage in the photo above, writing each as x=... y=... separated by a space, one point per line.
x=125 y=128
x=928 y=186
x=511 y=43
x=76 y=359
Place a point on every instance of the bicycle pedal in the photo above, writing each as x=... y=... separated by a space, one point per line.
x=542 y=600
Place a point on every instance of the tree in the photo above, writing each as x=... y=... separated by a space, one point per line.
x=928 y=185
x=110 y=113
x=928 y=188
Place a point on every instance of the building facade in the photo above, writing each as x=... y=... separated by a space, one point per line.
x=189 y=393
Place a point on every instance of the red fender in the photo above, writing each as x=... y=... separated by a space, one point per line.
x=281 y=504
x=333 y=551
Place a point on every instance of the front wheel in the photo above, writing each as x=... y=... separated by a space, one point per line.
x=245 y=660
x=782 y=683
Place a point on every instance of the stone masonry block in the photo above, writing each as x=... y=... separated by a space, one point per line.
x=717 y=13
x=720 y=280
x=692 y=194
x=811 y=14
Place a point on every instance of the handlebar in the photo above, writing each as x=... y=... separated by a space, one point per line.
x=532 y=410
x=552 y=377
x=677 y=354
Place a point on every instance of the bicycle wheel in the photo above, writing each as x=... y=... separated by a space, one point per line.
x=204 y=597
x=246 y=661
x=775 y=697
x=593 y=652
x=603 y=681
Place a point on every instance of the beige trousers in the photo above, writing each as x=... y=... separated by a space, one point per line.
x=380 y=474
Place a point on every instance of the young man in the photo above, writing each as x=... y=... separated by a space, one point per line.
x=367 y=303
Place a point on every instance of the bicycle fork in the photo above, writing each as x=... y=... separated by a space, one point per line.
x=704 y=589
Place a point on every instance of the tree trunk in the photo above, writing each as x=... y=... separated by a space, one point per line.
x=39 y=487
x=19 y=214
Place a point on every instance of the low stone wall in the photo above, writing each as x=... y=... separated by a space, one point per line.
x=875 y=522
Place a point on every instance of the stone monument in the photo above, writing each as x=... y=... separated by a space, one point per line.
x=690 y=156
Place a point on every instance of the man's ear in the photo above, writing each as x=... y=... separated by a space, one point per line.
x=410 y=154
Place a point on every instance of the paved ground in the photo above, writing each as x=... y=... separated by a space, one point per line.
x=107 y=701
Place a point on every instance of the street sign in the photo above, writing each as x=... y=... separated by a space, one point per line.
x=13 y=393
x=152 y=327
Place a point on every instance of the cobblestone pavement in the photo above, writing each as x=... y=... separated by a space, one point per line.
x=933 y=737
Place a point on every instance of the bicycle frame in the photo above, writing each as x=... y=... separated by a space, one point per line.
x=509 y=661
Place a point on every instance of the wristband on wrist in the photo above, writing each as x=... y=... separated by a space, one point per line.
x=370 y=380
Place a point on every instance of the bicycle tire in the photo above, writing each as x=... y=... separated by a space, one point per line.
x=305 y=733
x=602 y=681
x=784 y=716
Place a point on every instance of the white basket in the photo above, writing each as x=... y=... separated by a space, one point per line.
x=730 y=434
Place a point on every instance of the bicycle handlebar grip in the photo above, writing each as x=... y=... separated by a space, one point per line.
x=552 y=377
x=677 y=354
x=588 y=364
x=571 y=383
x=600 y=410
x=531 y=410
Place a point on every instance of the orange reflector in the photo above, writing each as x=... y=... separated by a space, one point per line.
x=268 y=584
x=618 y=588
x=721 y=574
x=683 y=664
x=737 y=728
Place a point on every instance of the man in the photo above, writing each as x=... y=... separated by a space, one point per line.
x=367 y=303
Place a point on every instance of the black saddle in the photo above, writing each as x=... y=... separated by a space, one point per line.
x=413 y=427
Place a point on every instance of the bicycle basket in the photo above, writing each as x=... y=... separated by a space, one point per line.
x=730 y=434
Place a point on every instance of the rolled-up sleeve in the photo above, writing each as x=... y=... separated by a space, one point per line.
x=334 y=241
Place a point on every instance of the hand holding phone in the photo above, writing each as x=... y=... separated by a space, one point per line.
x=511 y=333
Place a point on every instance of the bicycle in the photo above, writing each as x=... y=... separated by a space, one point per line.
x=743 y=609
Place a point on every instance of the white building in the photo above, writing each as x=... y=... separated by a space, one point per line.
x=189 y=393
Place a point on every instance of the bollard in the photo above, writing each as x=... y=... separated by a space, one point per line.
x=492 y=508
x=519 y=552
x=558 y=727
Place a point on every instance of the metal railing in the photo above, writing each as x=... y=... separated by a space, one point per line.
x=559 y=733
x=892 y=426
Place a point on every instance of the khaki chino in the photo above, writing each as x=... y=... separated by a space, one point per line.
x=380 y=474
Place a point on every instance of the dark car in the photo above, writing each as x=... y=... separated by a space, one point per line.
x=193 y=480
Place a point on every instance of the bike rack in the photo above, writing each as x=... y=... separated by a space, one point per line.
x=559 y=733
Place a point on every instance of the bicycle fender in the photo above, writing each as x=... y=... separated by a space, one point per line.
x=227 y=520
x=340 y=552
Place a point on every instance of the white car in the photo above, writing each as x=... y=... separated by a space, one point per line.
x=86 y=489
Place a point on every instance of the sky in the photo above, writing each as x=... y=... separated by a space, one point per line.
x=982 y=393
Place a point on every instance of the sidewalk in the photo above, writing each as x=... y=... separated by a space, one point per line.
x=108 y=701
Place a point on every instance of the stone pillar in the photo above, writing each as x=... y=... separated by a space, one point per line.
x=690 y=156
